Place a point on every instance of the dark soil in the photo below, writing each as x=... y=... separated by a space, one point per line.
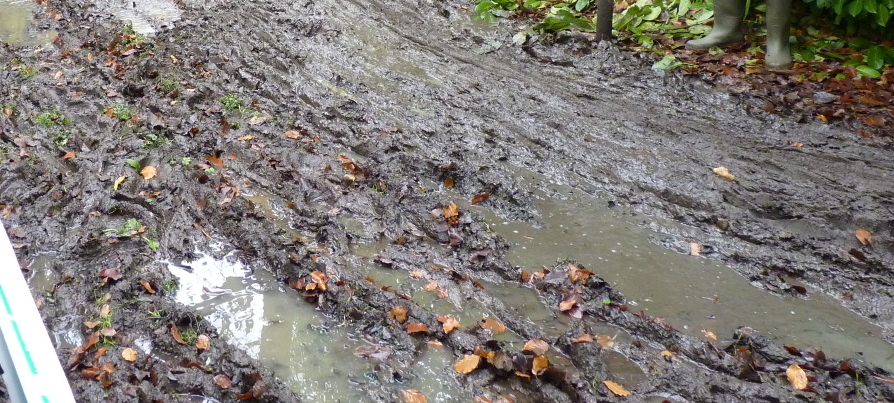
x=373 y=136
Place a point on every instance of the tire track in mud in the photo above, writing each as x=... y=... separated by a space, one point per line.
x=461 y=122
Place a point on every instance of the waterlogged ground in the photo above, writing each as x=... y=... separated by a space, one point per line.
x=285 y=201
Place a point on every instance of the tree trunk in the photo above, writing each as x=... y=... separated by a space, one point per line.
x=604 y=13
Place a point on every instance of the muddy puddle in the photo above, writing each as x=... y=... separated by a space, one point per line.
x=146 y=17
x=319 y=357
x=16 y=28
x=691 y=293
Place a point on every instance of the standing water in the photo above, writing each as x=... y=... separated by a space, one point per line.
x=15 y=24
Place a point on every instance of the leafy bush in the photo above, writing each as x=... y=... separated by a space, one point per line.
x=858 y=13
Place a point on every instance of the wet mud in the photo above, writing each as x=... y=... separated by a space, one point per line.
x=331 y=149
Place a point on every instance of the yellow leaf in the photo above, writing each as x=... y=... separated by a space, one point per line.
x=203 y=342
x=245 y=138
x=605 y=341
x=618 y=390
x=467 y=364
x=293 y=134
x=413 y=396
x=149 y=172
x=492 y=325
x=448 y=323
x=431 y=286
x=119 y=181
x=417 y=273
x=797 y=377
x=724 y=173
x=176 y=333
x=536 y=346
x=864 y=236
x=129 y=354
x=540 y=365
x=709 y=334
x=668 y=354
x=69 y=155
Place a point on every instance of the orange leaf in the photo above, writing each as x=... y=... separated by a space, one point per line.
x=417 y=273
x=536 y=346
x=448 y=323
x=668 y=354
x=431 y=286
x=214 y=160
x=480 y=197
x=864 y=236
x=149 y=172
x=223 y=381
x=576 y=274
x=129 y=354
x=434 y=344
x=605 y=341
x=147 y=286
x=709 y=334
x=399 y=314
x=443 y=293
x=492 y=325
x=245 y=138
x=618 y=390
x=724 y=173
x=320 y=279
x=584 y=338
x=797 y=377
x=417 y=327
x=567 y=305
x=467 y=364
x=69 y=155
x=451 y=213
x=540 y=365
x=176 y=333
x=293 y=134
x=449 y=182
x=203 y=342
x=413 y=396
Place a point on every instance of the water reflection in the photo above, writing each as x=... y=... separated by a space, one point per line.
x=15 y=21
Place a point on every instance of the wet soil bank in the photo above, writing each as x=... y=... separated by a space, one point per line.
x=351 y=116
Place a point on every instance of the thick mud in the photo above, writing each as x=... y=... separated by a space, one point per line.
x=323 y=144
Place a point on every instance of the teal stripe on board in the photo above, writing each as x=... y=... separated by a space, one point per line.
x=5 y=302
x=24 y=348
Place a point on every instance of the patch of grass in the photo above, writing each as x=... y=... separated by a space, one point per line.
x=189 y=336
x=130 y=228
x=170 y=285
x=120 y=111
x=153 y=140
x=231 y=102
x=168 y=84
x=27 y=71
x=61 y=139
x=51 y=118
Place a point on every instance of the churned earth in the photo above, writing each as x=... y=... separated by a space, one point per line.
x=328 y=145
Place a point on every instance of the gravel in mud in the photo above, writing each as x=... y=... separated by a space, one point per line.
x=353 y=139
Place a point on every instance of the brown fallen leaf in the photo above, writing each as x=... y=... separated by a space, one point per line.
x=413 y=396
x=176 y=333
x=245 y=138
x=149 y=172
x=467 y=364
x=417 y=273
x=448 y=323
x=105 y=310
x=480 y=198
x=203 y=342
x=493 y=325
x=399 y=314
x=434 y=344
x=584 y=338
x=91 y=325
x=709 y=334
x=668 y=354
x=223 y=381
x=417 y=327
x=864 y=236
x=293 y=134
x=451 y=213
x=147 y=286
x=431 y=286
x=108 y=331
x=567 y=305
x=449 y=183
x=724 y=173
x=69 y=155
x=443 y=293
x=536 y=346
x=615 y=388
x=797 y=377
x=540 y=365
x=129 y=354
x=215 y=160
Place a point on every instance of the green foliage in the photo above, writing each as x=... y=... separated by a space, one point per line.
x=134 y=164
x=858 y=13
x=49 y=119
x=168 y=84
x=231 y=102
x=27 y=72
x=120 y=111
x=153 y=140
x=130 y=228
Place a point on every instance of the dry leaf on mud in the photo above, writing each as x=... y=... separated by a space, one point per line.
x=584 y=338
x=223 y=381
x=605 y=341
x=245 y=138
x=864 y=236
x=69 y=155
x=119 y=181
x=443 y=293
x=176 y=333
x=319 y=278
x=724 y=173
x=108 y=331
x=492 y=325
x=448 y=323
x=451 y=213
x=540 y=365
x=399 y=314
x=695 y=249
x=709 y=334
x=203 y=342
x=536 y=346
x=149 y=172
x=480 y=198
x=105 y=310
x=431 y=286
x=129 y=354
x=567 y=305
x=417 y=327
x=147 y=286
x=293 y=134
x=576 y=274
x=417 y=273
x=797 y=377
x=434 y=344
x=617 y=389
x=449 y=183
x=413 y=396
x=215 y=160
x=467 y=364
x=91 y=325
x=668 y=354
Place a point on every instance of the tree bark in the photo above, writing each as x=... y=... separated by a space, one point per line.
x=604 y=14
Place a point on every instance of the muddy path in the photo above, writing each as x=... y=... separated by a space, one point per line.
x=363 y=123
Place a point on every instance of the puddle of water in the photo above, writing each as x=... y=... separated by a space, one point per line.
x=146 y=17
x=15 y=18
x=41 y=279
x=311 y=353
x=682 y=288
